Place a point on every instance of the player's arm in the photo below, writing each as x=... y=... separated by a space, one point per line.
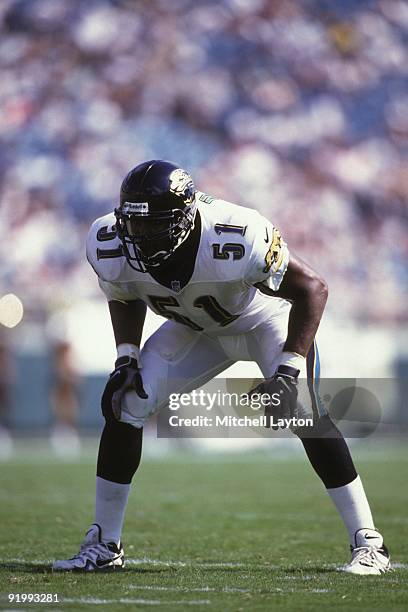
x=127 y=323
x=290 y=278
x=308 y=293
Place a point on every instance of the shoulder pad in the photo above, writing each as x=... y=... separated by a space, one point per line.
x=269 y=254
x=104 y=248
x=228 y=230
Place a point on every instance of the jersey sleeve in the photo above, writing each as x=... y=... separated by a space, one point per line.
x=269 y=257
x=113 y=291
x=103 y=249
x=104 y=254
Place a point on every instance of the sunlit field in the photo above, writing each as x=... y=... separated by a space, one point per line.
x=223 y=532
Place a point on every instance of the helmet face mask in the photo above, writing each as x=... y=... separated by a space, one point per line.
x=156 y=213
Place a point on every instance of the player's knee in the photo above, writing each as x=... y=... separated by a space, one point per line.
x=120 y=451
x=136 y=411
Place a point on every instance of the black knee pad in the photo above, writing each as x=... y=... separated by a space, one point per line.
x=328 y=453
x=120 y=451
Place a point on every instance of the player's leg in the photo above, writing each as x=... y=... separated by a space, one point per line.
x=330 y=457
x=328 y=454
x=174 y=360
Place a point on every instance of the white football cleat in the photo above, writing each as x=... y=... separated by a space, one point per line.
x=369 y=556
x=94 y=555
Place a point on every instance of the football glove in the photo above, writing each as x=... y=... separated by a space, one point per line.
x=284 y=383
x=125 y=377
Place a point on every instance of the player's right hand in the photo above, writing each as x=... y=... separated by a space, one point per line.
x=282 y=384
x=125 y=377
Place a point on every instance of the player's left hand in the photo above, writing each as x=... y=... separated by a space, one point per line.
x=282 y=384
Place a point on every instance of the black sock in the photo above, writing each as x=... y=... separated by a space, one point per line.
x=120 y=450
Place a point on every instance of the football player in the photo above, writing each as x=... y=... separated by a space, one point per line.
x=223 y=277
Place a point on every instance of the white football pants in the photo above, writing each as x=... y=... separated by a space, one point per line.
x=177 y=359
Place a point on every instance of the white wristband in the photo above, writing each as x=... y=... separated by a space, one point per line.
x=293 y=360
x=128 y=350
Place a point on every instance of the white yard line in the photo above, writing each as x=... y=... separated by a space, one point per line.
x=28 y=561
x=95 y=601
x=220 y=590
x=204 y=564
x=148 y=561
x=206 y=589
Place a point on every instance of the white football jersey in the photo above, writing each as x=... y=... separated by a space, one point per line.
x=238 y=248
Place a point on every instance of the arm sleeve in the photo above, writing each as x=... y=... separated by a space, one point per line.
x=269 y=256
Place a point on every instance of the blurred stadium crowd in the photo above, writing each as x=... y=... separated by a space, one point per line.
x=296 y=108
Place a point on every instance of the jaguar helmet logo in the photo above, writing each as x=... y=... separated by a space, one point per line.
x=181 y=184
x=274 y=254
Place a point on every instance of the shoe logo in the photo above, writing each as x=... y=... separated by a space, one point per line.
x=103 y=562
x=267 y=235
x=368 y=537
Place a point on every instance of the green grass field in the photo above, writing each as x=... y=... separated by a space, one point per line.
x=240 y=532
